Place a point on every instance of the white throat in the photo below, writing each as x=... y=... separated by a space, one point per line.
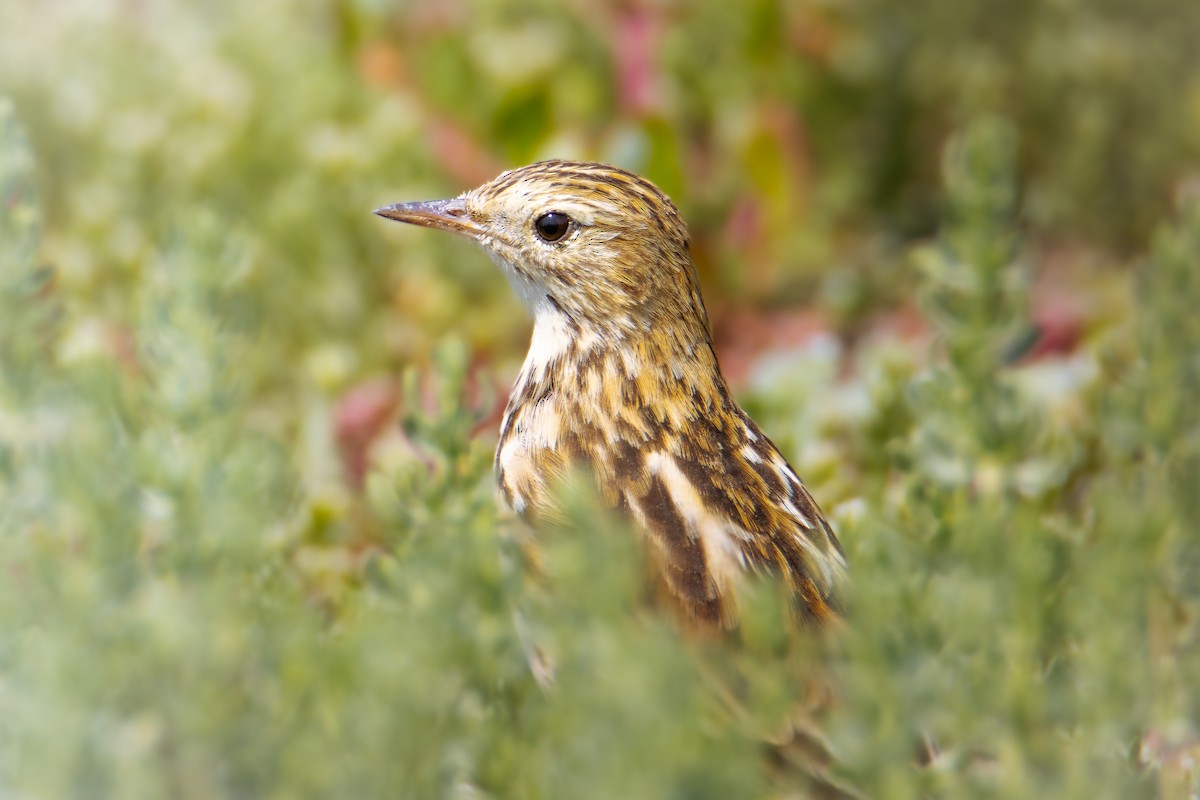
x=554 y=334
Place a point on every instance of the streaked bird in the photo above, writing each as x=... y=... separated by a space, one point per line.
x=621 y=379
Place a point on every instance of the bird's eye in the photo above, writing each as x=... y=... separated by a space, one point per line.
x=553 y=226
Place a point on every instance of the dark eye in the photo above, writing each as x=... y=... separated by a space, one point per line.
x=553 y=226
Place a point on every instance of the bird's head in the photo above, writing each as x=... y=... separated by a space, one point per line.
x=595 y=243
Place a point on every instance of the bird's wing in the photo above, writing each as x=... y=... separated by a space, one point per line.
x=722 y=499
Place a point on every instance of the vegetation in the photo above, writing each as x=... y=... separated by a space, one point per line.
x=248 y=534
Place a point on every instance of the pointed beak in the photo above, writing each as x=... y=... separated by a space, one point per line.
x=449 y=215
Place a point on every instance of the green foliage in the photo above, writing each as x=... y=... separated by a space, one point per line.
x=200 y=601
x=1011 y=609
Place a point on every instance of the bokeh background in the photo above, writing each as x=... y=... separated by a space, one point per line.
x=246 y=521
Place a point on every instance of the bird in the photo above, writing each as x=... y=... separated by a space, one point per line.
x=621 y=380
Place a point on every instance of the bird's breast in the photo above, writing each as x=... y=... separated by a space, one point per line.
x=528 y=457
x=592 y=406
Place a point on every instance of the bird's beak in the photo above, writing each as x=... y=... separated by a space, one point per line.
x=449 y=215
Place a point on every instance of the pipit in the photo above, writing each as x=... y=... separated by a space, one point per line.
x=621 y=379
